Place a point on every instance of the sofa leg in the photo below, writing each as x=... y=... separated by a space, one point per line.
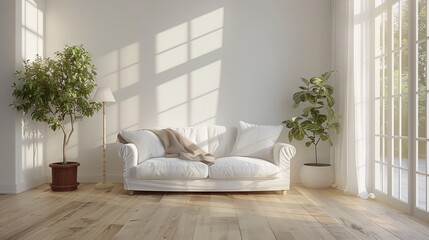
x=282 y=192
x=131 y=192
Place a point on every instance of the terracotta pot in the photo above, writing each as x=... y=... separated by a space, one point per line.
x=317 y=176
x=64 y=176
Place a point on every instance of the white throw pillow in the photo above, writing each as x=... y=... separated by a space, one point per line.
x=256 y=140
x=148 y=143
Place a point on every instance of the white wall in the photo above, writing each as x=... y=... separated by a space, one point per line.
x=7 y=116
x=180 y=63
x=21 y=141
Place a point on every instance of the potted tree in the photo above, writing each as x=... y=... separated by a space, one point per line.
x=316 y=123
x=57 y=92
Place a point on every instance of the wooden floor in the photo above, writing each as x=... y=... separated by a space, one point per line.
x=300 y=214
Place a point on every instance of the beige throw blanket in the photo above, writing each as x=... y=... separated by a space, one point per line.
x=177 y=145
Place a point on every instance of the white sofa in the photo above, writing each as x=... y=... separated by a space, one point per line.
x=146 y=168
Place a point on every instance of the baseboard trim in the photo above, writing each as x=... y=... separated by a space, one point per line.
x=22 y=186
x=95 y=178
x=8 y=188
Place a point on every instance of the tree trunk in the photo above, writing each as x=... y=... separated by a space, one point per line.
x=315 y=152
x=64 y=148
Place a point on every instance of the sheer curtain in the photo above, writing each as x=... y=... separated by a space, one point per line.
x=352 y=63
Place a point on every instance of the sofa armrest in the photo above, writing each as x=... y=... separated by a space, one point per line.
x=129 y=154
x=283 y=154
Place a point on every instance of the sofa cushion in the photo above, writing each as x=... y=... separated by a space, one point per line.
x=256 y=140
x=171 y=168
x=147 y=143
x=242 y=168
x=216 y=140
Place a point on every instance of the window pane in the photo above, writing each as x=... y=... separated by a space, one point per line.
x=396 y=73
x=421 y=22
x=397 y=116
x=378 y=177
x=378 y=38
x=377 y=117
x=404 y=153
x=377 y=151
x=404 y=22
x=396 y=26
x=421 y=191
x=421 y=66
x=396 y=152
x=404 y=71
x=378 y=87
x=385 y=34
x=421 y=131
x=422 y=14
x=404 y=116
x=421 y=156
x=395 y=182
x=384 y=178
x=404 y=186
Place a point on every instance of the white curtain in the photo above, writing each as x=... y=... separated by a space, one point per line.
x=351 y=50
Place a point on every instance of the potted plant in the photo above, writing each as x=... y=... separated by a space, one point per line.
x=316 y=123
x=57 y=92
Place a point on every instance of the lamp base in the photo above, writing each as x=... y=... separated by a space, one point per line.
x=104 y=185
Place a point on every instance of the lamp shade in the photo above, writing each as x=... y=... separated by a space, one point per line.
x=104 y=94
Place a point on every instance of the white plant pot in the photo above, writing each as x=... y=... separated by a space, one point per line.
x=317 y=176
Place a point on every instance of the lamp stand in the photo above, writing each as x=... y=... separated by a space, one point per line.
x=104 y=184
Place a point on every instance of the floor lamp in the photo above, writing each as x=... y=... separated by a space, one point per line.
x=104 y=95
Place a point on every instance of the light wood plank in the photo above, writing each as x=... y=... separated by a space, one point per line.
x=300 y=214
x=358 y=224
x=109 y=232
x=217 y=223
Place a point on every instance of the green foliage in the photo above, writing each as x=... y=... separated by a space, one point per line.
x=318 y=119
x=57 y=91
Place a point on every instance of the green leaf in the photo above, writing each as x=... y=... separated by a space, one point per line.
x=326 y=75
x=290 y=136
x=300 y=134
x=298 y=96
x=330 y=101
x=305 y=81
x=316 y=80
x=308 y=144
x=335 y=127
x=329 y=88
x=313 y=127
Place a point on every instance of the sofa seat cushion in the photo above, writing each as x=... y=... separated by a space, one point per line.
x=171 y=168
x=242 y=168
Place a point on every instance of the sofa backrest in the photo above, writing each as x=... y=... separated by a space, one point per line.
x=216 y=140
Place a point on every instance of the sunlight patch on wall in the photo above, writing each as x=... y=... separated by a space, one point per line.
x=171 y=47
x=121 y=68
x=31 y=27
x=176 y=116
x=129 y=116
x=118 y=70
x=172 y=93
x=172 y=58
x=206 y=44
x=129 y=65
x=171 y=38
x=205 y=79
x=206 y=33
x=204 y=109
x=32 y=147
x=192 y=98
x=32 y=30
